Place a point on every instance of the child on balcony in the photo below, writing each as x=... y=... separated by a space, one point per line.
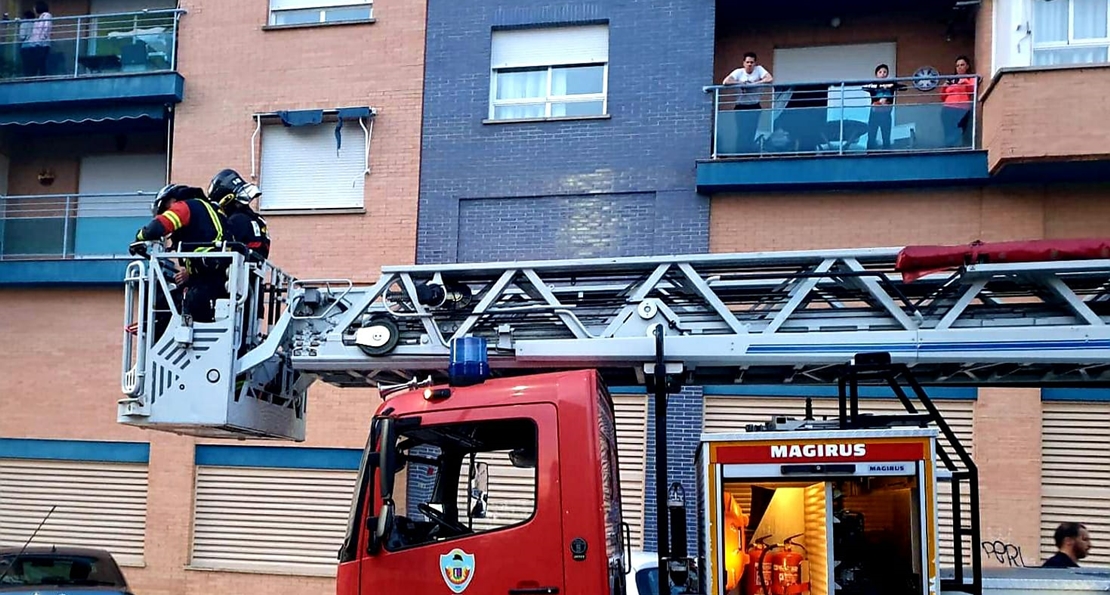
x=882 y=106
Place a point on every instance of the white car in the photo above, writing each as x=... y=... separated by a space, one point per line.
x=643 y=574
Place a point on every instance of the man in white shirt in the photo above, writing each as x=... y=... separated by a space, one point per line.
x=749 y=77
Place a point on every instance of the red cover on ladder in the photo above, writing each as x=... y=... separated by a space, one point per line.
x=915 y=262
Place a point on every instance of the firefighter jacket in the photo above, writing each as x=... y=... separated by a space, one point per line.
x=248 y=227
x=194 y=225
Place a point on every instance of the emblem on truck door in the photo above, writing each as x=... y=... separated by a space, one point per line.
x=457 y=568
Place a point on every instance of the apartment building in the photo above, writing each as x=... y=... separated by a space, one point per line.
x=393 y=132
x=320 y=103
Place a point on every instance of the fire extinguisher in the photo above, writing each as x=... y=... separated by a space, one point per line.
x=757 y=573
x=786 y=577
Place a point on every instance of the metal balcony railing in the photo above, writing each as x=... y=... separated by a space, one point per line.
x=891 y=115
x=91 y=45
x=57 y=226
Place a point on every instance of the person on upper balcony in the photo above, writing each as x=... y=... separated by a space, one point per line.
x=957 y=97
x=881 y=118
x=36 y=47
x=184 y=215
x=234 y=196
x=749 y=77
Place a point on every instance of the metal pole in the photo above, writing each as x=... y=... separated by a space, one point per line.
x=716 y=119
x=76 y=47
x=841 y=144
x=663 y=531
x=65 y=229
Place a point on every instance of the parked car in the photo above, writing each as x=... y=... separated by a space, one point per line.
x=643 y=574
x=51 y=570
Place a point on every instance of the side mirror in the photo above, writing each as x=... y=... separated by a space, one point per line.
x=479 y=487
x=387 y=457
x=382 y=528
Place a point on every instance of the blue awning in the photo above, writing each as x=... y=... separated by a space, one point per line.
x=81 y=115
x=313 y=117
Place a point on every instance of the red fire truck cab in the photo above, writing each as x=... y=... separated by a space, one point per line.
x=508 y=486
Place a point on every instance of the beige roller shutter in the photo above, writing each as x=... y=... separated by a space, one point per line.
x=99 y=505
x=1075 y=473
x=631 y=419
x=732 y=413
x=290 y=520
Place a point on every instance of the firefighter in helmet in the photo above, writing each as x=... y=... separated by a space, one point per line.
x=234 y=195
x=183 y=215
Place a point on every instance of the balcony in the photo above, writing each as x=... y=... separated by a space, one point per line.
x=843 y=133
x=68 y=238
x=119 y=61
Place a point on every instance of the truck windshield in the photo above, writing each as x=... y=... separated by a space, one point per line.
x=455 y=480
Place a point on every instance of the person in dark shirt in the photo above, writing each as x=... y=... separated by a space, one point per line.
x=882 y=105
x=1073 y=542
x=234 y=195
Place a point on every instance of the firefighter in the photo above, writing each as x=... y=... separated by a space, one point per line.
x=234 y=196
x=183 y=215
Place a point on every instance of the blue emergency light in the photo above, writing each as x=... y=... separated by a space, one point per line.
x=469 y=361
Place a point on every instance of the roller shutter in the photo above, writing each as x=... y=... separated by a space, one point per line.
x=99 y=505
x=631 y=418
x=250 y=518
x=732 y=413
x=1075 y=474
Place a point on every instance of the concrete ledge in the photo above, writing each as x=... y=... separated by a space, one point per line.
x=846 y=171
x=87 y=272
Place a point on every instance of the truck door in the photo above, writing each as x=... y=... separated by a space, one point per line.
x=457 y=532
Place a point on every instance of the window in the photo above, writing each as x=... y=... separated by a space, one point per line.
x=1070 y=32
x=302 y=169
x=464 y=479
x=307 y=12
x=549 y=73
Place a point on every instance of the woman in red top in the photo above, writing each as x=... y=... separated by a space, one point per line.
x=957 y=96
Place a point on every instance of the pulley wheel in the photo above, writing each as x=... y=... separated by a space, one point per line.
x=379 y=337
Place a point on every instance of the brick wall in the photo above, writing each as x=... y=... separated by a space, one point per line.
x=1027 y=118
x=873 y=218
x=233 y=68
x=660 y=55
x=684 y=423
x=918 y=32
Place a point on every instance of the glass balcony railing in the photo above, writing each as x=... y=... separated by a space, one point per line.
x=58 y=226
x=891 y=115
x=90 y=45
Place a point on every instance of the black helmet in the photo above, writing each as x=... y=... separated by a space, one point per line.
x=228 y=187
x=173 y=192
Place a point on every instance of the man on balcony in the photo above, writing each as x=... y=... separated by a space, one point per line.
x=749 y=77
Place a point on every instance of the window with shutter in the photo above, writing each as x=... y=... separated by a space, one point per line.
x=549 y=72
x=303 y=170
x=307 y=12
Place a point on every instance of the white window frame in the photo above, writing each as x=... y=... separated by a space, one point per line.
x=1072 y=42
x=322 y=6
x=548 y=99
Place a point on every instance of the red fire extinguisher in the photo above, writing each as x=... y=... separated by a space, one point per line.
x=757 y=573
x=786 y=577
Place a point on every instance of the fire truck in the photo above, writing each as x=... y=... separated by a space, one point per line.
x=507 y=366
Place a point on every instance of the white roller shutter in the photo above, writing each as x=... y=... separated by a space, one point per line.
x=302 y=4
x=1075 y=474
x=550 y=46
x=731 y=414
x=249 y=518
x=99 y=505
x=631 y=420
x=301 y=170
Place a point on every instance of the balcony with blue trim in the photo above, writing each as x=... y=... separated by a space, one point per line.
x=89 y=68
x=68 y=239
x=912 y=131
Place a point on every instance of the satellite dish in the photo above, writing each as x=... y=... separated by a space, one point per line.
x=926 y=78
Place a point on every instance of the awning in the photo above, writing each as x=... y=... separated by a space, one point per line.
x=81 y=115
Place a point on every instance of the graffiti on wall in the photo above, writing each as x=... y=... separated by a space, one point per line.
x=1004 y=553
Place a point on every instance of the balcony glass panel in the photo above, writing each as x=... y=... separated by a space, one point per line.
x=90 y=45
x=909 y=115
x=70 y=225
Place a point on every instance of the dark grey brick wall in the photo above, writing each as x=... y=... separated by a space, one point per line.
x=635 y=170
x=684 y=425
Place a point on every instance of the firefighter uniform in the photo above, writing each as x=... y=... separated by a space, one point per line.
x=183 y=215
x=248 y=227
